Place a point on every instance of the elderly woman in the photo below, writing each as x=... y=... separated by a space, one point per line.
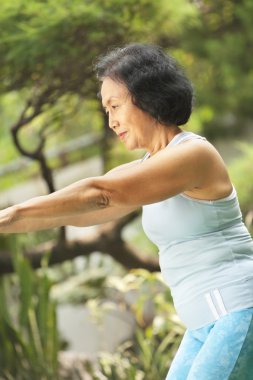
x=190 y=210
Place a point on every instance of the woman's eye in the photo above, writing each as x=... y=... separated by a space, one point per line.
x=113 y=107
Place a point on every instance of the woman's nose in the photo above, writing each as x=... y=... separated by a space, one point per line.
x=112 y=122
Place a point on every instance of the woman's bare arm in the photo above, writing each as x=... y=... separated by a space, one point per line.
x=9 y=223
x=94 y=200
x=61 y=208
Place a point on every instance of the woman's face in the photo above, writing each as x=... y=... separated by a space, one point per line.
x=133 y=126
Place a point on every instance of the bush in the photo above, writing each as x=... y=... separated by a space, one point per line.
x=29 y=341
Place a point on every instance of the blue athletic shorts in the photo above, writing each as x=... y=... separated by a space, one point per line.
x=222 y=350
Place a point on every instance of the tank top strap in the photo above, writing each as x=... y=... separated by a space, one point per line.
x=180 y=137
x=184 y=136
x=145 y=157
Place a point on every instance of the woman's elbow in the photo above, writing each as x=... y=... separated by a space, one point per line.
x=94 y=195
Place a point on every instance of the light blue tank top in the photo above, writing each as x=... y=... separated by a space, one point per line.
x=205 y=253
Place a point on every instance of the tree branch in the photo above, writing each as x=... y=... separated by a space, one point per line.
x=45 y=97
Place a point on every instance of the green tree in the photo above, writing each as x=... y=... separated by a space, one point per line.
x=220 y=47
x=48 y=48
x=47 y=52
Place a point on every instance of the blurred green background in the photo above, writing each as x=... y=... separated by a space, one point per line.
x=51 y=120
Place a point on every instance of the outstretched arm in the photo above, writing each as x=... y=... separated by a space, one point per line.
x=79 y=204
x=188 y=166
x=67 y=206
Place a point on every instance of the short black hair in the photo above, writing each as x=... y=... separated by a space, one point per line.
x=154 y=79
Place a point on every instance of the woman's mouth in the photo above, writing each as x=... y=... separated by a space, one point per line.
x=122 y=135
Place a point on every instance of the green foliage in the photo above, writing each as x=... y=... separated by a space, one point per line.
x=149 y=354
x=29 y=340
x=75 y=32
x=11 y=106
x=47 y=51
x=28 y=323
x=220 y=47
x=80 y=288
x=147 y=357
